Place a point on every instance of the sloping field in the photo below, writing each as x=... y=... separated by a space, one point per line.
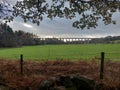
x=35 y=72
x=65 y=52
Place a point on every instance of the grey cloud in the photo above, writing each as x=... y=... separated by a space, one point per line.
x=63 y=28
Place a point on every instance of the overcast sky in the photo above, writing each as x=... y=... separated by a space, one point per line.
x=63 y=28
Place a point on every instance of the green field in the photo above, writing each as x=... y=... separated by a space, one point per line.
x=60 y=52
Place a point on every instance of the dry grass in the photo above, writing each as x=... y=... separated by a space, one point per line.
x=35 y=72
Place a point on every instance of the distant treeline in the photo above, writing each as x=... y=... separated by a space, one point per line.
x=108 y=39
x=10 y=38
x=105 y=40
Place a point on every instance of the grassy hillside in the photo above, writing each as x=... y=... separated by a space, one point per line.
x=55 y=52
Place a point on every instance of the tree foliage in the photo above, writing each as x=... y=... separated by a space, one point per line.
x=5 y=11
x=88 y=13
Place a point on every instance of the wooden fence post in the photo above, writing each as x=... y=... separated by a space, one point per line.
x=21 y=64
x=102 y=65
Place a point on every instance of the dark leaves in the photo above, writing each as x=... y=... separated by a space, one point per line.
x=89 y=12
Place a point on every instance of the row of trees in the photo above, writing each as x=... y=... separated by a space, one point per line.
x=108 y=39
x=9 y=38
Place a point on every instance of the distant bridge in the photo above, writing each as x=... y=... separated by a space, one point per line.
x=69 y=39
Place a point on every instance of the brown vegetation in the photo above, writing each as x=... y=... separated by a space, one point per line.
x=35 y=72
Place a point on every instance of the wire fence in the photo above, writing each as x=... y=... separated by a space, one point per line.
x=65 y=56
x=102 y=60
x=112 y=56
x=102 y=57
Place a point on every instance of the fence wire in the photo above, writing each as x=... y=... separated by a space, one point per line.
x=70 y=56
